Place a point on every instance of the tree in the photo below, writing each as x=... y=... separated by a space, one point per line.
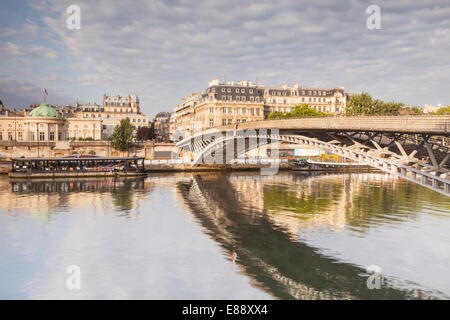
x=417 y=110
x=303 y=111
x=277 y=115
x=363 y=104
x=443 y=110
x=122 y=137
x=144 y=133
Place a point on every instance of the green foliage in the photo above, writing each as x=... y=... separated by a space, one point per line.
x=303 y=111
x=443 y=110
x=85 y=139
x=417 y=110
x=363 y=104
x=92 y=152
x=122 y=137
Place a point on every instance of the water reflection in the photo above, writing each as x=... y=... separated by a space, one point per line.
x=44 y=197
x=275 y=229
x=259 y=217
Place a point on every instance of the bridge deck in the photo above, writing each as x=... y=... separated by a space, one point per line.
x=401 y=124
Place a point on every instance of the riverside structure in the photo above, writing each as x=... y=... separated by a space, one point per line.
x=233 y=103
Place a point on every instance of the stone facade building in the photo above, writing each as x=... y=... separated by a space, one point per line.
x=234 y=103
x=161 y=125
x=114 y=109
x=44 y=123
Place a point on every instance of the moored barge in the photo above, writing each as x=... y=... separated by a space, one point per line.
x=76 y=166
x=309 y=165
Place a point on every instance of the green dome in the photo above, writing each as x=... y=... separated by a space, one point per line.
x=44 y=110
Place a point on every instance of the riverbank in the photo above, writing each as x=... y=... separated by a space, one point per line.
x=5 y=168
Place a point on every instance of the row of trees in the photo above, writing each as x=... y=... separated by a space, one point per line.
x=123 y=138
x=358 y=105
x=303 y=111
x=364 y=104
x=443 y=110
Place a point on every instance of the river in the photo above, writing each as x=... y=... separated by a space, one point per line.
x=238 y=235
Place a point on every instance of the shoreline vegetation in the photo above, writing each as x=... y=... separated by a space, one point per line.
x=358 y=105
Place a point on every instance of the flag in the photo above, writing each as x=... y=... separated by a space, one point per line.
x=45 y=91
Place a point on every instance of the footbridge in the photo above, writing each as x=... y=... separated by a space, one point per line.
x=416 y=148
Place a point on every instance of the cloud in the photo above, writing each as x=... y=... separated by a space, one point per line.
x=22 y=93
x=163 y=50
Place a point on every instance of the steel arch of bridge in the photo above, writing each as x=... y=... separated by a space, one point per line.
x=423 y=174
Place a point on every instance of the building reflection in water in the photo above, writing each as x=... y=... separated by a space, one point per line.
x=258 y=220
x=42 y=197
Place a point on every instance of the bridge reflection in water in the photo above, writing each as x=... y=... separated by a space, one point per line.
x=261 y=219
x=266 y=243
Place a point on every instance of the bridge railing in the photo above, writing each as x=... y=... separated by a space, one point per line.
x=413 y=124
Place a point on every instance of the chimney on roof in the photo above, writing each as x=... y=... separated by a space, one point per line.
x=214 y=82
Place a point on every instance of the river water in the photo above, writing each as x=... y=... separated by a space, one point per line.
x=224 y=236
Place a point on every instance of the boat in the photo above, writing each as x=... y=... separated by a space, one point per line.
x=310 y=165
x=76 y=166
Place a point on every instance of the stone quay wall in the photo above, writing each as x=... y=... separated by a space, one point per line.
x=148 y=150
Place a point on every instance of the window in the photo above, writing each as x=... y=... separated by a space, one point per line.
x=242 y=90
x=229 y=90
x=243 y=98
x=10 y=136
x=224 y=122
x=41 y=136
x=250 y=90
x=1 y=136
x=237 y=90
x=257 y=112
x=52 y=136
x=211 y=110
x=252 y=99
x=32 y=136
x=229 y=121
x=211 y=122
x=223 y=89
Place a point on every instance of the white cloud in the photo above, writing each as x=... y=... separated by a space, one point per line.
x=163 y=50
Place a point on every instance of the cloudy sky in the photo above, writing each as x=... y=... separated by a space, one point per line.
x=164 y=50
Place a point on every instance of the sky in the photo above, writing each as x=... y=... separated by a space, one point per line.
x=164 y=50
